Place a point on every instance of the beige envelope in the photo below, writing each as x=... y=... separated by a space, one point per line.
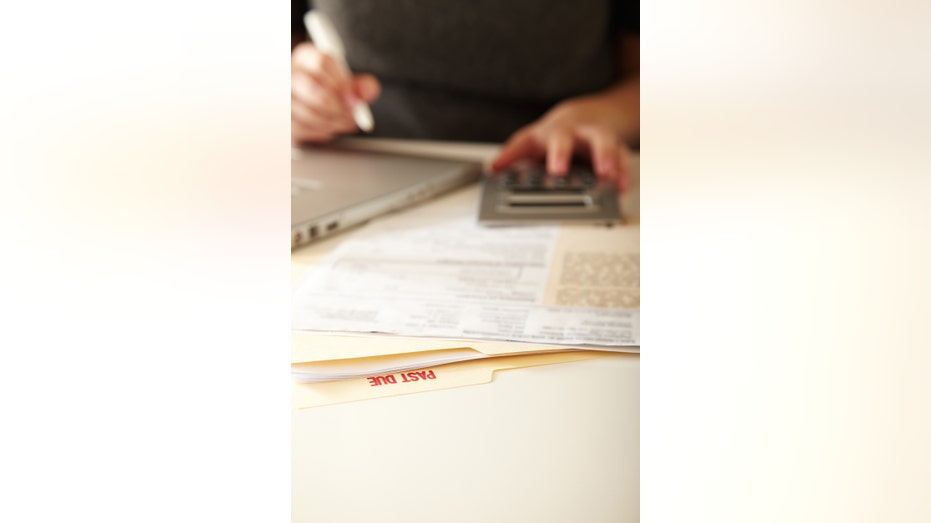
x=451 y=375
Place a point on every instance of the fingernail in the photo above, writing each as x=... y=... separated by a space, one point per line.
x=558 y=165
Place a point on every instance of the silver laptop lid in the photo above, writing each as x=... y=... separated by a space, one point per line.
x=334 y=188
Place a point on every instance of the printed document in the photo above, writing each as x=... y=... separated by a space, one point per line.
x=417 y=274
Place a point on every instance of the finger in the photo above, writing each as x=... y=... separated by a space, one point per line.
x=323 y=67
x=366 y=87
x=301 y=133
x=312 y=118
x=623 y=177
x=309 y=59
x=306 y=90
x=604 y=149
x=521 y=145
x=558 y=152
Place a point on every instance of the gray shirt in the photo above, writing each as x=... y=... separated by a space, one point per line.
x=477 y=70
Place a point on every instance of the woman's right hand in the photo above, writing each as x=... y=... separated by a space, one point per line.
x=323 y=93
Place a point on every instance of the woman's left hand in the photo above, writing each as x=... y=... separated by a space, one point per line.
x=594 y=126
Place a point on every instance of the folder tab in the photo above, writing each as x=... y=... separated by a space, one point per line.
x=451 y=375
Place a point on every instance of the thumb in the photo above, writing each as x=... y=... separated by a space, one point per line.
x=366 y=87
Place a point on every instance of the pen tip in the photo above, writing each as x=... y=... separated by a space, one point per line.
x=363 y=117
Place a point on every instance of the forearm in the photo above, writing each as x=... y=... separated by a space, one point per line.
x=624 y=95
x=623 y=99
x=617 y=108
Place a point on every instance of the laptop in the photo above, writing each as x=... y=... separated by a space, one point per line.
x=332 y=188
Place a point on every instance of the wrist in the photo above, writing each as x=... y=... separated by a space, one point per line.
x=617 y=107
x=624 y=96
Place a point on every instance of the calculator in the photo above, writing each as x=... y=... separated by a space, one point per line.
x=526 y=195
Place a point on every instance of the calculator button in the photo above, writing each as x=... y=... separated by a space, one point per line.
x=509 y=179
x=535 y=179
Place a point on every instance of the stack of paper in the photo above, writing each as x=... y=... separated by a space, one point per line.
x=453 y=279
x=435 y=294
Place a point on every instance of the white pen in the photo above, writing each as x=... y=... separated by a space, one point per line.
x=327 y=40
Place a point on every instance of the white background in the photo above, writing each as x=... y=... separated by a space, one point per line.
x=144 y=284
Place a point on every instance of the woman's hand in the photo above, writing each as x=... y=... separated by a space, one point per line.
x=595 y=126
x=323 y=94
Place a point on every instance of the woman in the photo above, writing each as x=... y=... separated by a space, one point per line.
x=550 y=78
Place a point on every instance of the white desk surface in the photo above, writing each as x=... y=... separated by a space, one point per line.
x=558 y=443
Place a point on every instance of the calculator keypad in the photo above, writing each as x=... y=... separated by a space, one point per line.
x=526 y=194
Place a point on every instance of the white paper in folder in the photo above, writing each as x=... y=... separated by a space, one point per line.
x=443 y=276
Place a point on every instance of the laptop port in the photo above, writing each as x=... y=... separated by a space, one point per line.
x=332 y=225
x=313 y=232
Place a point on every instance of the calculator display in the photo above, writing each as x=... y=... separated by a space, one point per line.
x=526 y=195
